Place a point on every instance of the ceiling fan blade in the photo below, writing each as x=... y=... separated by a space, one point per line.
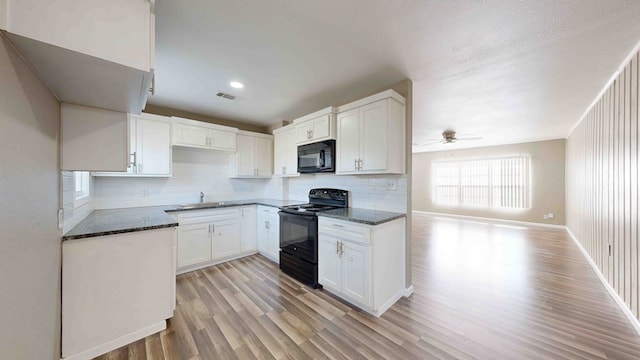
x=433 y=142
x=469 y=138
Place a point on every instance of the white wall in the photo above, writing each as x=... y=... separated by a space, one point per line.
x=367 y=191
x=194 y=170
x=30 y=241
x=547 y=181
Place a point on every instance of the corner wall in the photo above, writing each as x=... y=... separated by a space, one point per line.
x=547 y=181
x=602 y=184
x=30 y=242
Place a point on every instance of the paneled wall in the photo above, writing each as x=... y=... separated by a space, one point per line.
x=602 y=184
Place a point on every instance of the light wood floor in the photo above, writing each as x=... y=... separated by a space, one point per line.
x=481 y=292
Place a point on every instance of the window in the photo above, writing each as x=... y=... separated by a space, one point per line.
x=495 y=183
x=81 y=183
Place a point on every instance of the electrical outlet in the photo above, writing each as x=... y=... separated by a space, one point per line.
x=551 y=215
x=392 y=184
x=545 y=216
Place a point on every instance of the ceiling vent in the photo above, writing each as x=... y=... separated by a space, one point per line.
x=225 y=96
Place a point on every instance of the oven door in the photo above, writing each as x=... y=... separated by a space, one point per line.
x=299 y=235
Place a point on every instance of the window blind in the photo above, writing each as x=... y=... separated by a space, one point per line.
x=496 y=183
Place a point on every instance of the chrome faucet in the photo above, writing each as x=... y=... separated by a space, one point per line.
x=201 y=197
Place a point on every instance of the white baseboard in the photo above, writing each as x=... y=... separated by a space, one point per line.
x=553 y=226
x=408 y=291
x=627 y=312
x=117 y=343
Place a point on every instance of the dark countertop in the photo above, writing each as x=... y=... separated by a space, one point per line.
x=119 y=221
x=362 y=216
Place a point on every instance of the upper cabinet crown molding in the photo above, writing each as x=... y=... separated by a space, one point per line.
x=371 y=99
x=317 y=126
x=202 y=135
x=101 y=53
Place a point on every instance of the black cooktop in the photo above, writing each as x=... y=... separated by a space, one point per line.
x=307 y=208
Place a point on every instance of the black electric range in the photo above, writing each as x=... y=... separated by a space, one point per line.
x=299 y=233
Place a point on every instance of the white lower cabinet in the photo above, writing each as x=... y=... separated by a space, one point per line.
x=268 y=229
x=207 y=237
x=362 y=264
x=116 y=289
x=249 y=236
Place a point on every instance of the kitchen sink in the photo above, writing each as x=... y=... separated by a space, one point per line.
x=202 y=205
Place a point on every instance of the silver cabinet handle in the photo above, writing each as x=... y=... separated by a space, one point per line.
x=134 y=162
x=338 y=248
x=355 y=163
x=213 y=228
x=311 y=132
x=209 y=228
x=341 y=248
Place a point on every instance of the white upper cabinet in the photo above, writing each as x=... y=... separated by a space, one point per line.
x=319 y=126
x=93 y=139
x=197 y=134
x=90 y=52
x=371 y=135
x=150 y=147
x=285 y=151
x=253 y=156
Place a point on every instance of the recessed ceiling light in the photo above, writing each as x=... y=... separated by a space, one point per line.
x=236 y=84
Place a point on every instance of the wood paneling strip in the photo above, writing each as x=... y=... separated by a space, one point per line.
x=602 y=184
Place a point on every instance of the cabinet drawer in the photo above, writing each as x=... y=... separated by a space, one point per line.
x=345 y=230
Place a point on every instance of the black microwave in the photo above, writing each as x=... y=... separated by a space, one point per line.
x=317 y=157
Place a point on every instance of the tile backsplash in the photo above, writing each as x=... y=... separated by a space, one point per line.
x=194 y=171
x=376 y=192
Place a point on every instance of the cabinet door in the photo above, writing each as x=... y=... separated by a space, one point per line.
x=153 y=147
x=226 y=238
x=262 y=229
x=189 y=135
x=355 y=272
x=194 y=244
x=285 y=152
x=303 y=132
x=291 y=155
x=348 y=146
x=280 y=153
x=223 y=140
x=249 y=235
x=245 y=156
x=329 y=263
x=274 y=236
x=263 y=157
x=373 y=141
x=114 y=30
x=320 y=127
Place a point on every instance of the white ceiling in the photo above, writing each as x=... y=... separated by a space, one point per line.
x=508 y=71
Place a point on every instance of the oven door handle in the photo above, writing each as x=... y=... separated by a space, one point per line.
x=322 y=158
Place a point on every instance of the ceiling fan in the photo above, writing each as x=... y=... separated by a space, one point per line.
x=448 y=138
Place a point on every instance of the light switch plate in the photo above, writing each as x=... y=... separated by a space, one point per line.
x=60 y=218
